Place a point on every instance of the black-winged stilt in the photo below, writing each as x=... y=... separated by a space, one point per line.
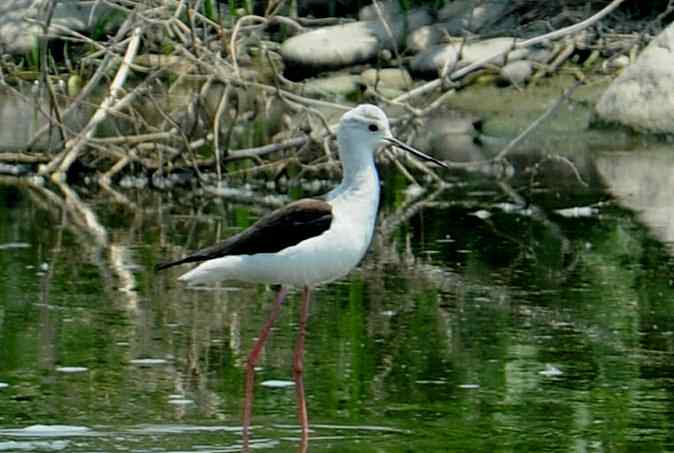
x=307 y=242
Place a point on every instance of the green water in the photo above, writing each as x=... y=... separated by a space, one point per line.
x=459 y=331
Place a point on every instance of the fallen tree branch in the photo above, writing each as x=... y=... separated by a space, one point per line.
x=266 y=149
x=23 y=158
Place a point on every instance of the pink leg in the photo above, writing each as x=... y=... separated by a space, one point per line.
x=298 y=366
x=252 y=360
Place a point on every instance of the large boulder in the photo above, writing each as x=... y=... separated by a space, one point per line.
x=517 y=72
x=390 y=82
x=344 y=45
x=433 y=60
x=642 y=97
x=423 y=38
x=332 y=86
x=18 y=35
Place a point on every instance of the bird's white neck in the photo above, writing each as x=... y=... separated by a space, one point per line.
x=356 y=200
x=359 y=171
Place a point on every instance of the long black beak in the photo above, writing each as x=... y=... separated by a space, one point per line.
x=415 y=152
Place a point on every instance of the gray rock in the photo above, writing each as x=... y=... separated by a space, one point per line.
x=343 y=45
x=616 y=63
x=335 y=85
x=18 y=36
x=390 y=9
x=476 y=51
x=332 y=47
x=434 y=60
x=424 y=38
x=540 y=55
x=387 y=79
x=463 y=16
x=517 y=72
x=642 y=97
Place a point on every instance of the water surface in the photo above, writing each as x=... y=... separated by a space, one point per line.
x=472 y=325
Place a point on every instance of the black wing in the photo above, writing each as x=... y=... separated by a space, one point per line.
x=285 y=227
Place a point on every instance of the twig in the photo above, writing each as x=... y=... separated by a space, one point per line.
x=267 y=149
x=23 y=158
x=565 y=53
x=222 y=106
x=133 y=139
x=106 y=178
x=401 y=167
x=235 y=32
x=571 y=165
x=44 y=68
x=387 y=28
x=223 y=76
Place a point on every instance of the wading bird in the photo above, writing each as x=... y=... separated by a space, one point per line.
x=307 y=242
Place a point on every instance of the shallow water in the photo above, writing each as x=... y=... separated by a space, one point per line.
x=472 y=325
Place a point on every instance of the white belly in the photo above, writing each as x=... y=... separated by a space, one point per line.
x=321 y=259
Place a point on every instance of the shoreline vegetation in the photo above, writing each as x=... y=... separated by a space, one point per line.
x=216 y=91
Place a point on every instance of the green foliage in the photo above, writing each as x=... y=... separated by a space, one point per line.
x=406 y=5
x=235 y=5
x=168 y=47
x=209 y=9
x=33 y=57
x=105 y=22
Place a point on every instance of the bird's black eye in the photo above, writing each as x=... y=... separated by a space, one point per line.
x=373 y=127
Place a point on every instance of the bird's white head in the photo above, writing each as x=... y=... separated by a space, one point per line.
x=366 y=125
x=364 y=129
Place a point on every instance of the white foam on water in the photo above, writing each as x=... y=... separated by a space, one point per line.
x=277 y=384
x=48 y=431
x=14 y=245
x=13 y=445
x=180 y=401
x=180 y=429
x=148 y=362
x=550 y=371
x=71 y=369
x=375 y=428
